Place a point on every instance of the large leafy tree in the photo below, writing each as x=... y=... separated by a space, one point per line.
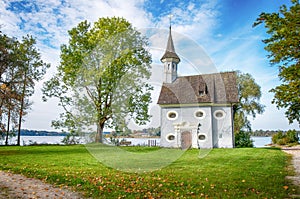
x=284 y=48
x=100 y=79
x=249 y=94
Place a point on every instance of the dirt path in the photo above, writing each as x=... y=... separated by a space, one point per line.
x=18 y=186
x=295 y=152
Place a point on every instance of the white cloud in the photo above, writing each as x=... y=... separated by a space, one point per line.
x=191 y=6
x=8 y=20
x=195 y=22
x=272 y=119
x=49 y=24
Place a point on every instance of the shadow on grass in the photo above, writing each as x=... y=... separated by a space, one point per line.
x=134 y=159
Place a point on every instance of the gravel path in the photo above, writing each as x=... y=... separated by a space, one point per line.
x=15 y=186
x=295 y=152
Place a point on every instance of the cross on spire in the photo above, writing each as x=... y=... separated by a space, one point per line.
x=170 y=19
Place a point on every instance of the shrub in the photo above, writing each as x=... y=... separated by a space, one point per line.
x=290 y=137
x=282 y=141
x=276 y=137
x=243 y=139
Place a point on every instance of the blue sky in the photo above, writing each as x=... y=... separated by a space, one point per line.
x=211 y=35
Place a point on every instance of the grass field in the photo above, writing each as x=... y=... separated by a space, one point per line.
x=223 y=173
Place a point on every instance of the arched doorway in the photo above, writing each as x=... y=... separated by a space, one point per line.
x=186 y=140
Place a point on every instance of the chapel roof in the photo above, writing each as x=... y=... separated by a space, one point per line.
x=206 y=88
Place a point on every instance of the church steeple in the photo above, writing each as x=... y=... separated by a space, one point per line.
x=170 y=50
x=170 y=60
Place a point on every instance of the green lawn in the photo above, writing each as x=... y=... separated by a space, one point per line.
x=223 y=173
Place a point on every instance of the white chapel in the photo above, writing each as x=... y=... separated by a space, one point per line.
x=196 y=111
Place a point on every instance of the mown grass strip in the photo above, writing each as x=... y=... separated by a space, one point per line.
x=223 y=173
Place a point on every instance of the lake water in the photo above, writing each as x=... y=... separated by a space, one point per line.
x=259 y=142
x=26 y=140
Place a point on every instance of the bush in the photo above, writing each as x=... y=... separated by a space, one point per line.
x=290 y=137
x=277 y=137
x=243 y=139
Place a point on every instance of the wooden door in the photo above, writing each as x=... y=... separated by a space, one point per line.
x=186 y=140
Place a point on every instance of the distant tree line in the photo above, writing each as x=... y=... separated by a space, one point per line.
x=269 y=133
x=151 y=131
x=25 y=132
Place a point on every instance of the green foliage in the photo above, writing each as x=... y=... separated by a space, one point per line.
x=243 y=139
x=20 y=68
x=224 y=173
x=290 y=137
x=283 y=46
x=71 y=138
x=101 y=77
x=276 y=137
x=249 y=94
x=241 y=122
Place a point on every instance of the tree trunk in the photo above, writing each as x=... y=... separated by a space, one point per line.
x=99 y=136
x=21 y=108
x=20 y=121
x=8 y=124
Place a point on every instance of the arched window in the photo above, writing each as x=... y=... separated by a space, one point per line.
x=174 y=67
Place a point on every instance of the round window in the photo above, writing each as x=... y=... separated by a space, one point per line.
x=172 y=115
x=201 y=137
x=219 y=114
x=170 y=137
x=199 y=114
